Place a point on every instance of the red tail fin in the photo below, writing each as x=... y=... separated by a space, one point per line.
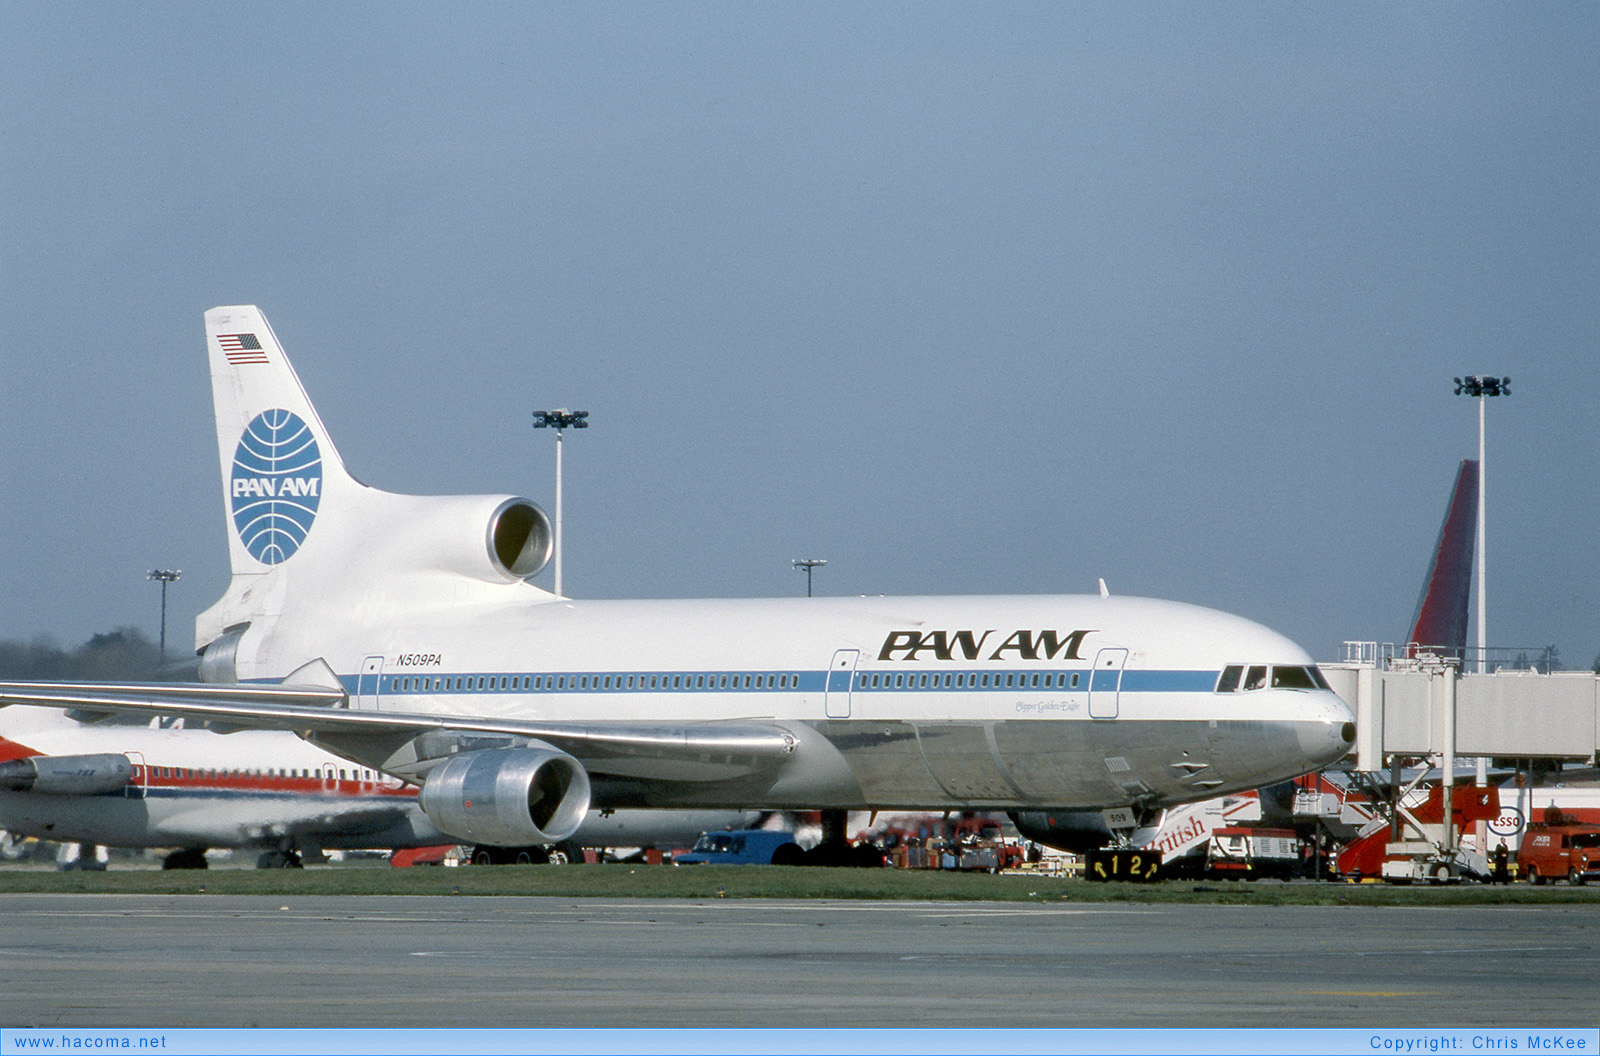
x=1441 y=620
x=10 y=750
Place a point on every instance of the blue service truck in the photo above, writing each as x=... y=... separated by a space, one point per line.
x=743 y=847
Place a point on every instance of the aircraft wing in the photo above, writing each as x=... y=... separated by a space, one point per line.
x=664 y=751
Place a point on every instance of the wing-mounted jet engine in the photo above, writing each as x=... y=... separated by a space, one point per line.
x=67 y=775
x=508 y=797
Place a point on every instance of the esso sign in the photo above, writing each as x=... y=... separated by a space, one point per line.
x=1509 y=823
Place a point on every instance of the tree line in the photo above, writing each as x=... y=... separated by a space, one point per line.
x=122 y=655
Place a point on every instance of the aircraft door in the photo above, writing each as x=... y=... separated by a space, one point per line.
x=367 y=683
x=140 y=783
x=836 y=692
x=1105 y=684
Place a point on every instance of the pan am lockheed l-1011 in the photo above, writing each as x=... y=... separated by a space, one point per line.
x=402 y=633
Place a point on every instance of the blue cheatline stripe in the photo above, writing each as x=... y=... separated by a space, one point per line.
x=1169 y=681
x=1053 y=680
x=878 y=681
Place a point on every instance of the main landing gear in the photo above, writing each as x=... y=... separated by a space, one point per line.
x=836 y=851
x=187 y=858
x=485 y=855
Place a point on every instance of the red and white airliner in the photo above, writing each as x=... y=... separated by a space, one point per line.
x=142 y=782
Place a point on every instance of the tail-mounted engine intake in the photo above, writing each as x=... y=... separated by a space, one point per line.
x=494 y=538
x=520 y=538
x=67 y=775
x=508 y=797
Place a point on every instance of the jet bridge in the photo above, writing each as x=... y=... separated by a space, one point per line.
x=1425 y=706
x=1420 y=705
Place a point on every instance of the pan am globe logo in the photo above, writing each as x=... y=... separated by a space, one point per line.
x=276 y=485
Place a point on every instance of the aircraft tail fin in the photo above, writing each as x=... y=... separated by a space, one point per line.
x=1440 y=624
x=305 y=536
x=10 y=750
x=279 y=465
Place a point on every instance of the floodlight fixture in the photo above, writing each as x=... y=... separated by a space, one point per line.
x=809 y=563
x=1483 y=385
x=560 y=419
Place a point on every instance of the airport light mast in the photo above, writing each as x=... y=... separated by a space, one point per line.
x=1482 y=387
x=559 y=420
x=808 y=563
x=165 y=576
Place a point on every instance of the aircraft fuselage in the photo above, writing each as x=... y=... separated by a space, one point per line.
x=914 y=703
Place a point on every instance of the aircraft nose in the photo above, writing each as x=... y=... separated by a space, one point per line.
x=1328 y=731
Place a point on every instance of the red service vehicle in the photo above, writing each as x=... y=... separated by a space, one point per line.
x=1550 y=852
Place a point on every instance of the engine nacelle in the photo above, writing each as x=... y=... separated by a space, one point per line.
x=488 y=537
x=493 y=538
x=67 y=775
x=1076 y=831
x=508 y=797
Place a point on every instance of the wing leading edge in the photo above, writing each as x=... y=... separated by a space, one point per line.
x=710 y=751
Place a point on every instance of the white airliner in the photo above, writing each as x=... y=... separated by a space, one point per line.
x=401 y=633
x=159 y=784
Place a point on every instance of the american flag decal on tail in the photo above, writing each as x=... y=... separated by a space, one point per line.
x=242 y=348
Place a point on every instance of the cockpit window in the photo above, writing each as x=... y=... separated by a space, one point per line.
x=1237 y=677
x=1292 y=678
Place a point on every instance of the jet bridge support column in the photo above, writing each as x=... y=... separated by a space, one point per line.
x=1394 y=799
x=1448 y=779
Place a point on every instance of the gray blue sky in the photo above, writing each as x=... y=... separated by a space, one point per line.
x=962 y=298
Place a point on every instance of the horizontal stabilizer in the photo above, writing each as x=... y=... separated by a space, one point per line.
x=315 y=675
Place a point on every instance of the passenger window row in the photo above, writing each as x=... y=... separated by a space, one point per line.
x=590 y=683
x=731 y=681
x=970 y=680
x=158 y=772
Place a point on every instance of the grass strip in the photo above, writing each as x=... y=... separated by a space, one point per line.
x=774 y=882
